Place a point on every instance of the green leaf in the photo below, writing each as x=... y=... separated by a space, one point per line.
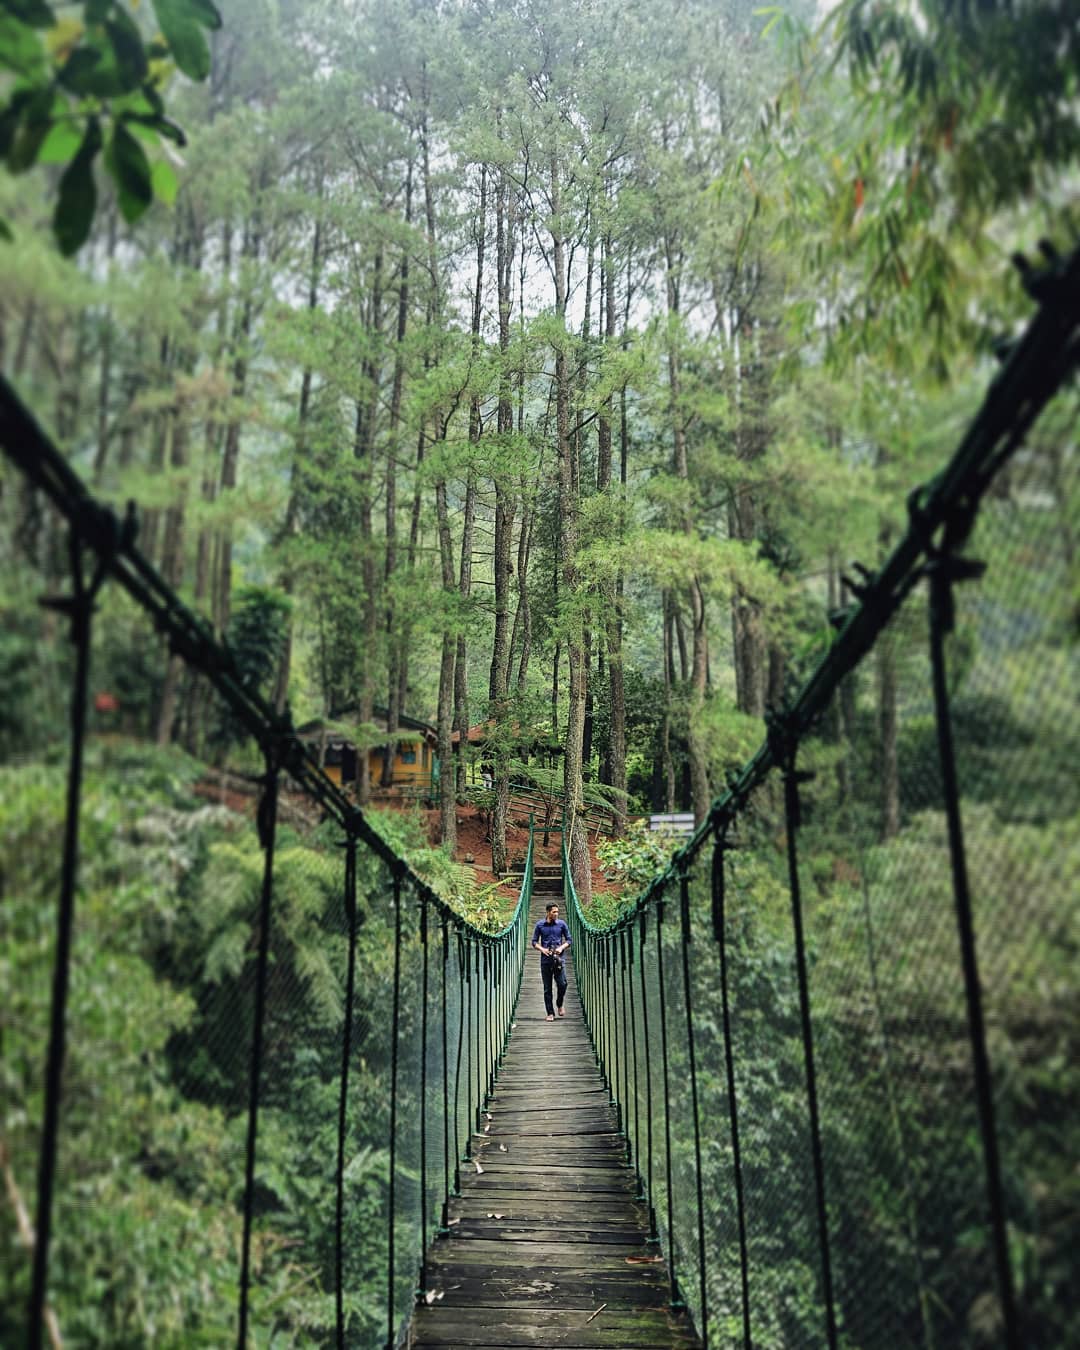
x=36 y=13
x=61 y=143
x=165 y=182
x=9 y=120
x=5 y=231
x=107 y=67
x=20 y=48
x=184 y=35
x=36 y=122
x=77 y=199
x=127 y=45
x=206 y=12
x=166 y=129
x=126 y=161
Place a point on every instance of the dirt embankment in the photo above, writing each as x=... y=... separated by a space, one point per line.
x=239 y=793
x=474 y=847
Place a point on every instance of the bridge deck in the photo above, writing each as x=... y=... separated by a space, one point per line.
x=547 y=1244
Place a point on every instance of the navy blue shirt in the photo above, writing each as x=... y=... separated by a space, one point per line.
x=551 y=935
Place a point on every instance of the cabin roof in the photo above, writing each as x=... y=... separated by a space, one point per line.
x=409 y=729
x=481 y=732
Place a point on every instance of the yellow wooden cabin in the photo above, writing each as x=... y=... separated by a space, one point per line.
x=412 y=751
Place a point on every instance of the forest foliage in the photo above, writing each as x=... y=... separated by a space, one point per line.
x=552 y=365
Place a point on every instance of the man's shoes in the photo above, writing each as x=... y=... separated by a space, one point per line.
x=562 y=1012
x=550 y=1018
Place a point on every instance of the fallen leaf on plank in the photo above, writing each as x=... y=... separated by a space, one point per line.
x=450 y=1222
x=503 y=1148
x=496 y=1216
x=480 y=1173
x=644 y=1260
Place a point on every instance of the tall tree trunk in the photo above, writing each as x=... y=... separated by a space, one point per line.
x=292 y=509
x=699 y=763
x=667 y=760
x=568 y=539
x=364 y=454
x=173 y=567
x=505 y=510
x=444 y=749
x=394 y=691
x=445 y=729
x=249 y=252
x=616 y=686
x=148 y=534
x=101 y=449
x=461 y=667
x=199 y=697
x=521 y=637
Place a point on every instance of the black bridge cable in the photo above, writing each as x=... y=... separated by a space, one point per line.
x=395 y=1036
x=719 y=918
x=684 y=919
x=267 y=822
x=943 y=572
x=346 y=1058
x=79 y=608
x=792 y=779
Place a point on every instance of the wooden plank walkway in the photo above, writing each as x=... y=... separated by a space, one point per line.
x=548 y=1246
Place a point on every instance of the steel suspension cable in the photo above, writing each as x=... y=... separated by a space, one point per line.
x=676 y=1301
x=466 y=952
x=267 y=821
x=625 y=1054
x=79 y=609
x=478 y=1055
x=684 y=917
x=443 y=1226
x=423 y=1091
x=943 y=570
x=643 y=919
x=720 y=933
x=346 y=1055
x=634 y=1051
x=462 y=1037
x=394 y=1021
x=792 y=779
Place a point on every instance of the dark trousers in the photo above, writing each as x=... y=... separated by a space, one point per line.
x=547 y=974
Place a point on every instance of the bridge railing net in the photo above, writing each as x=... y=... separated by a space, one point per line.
x=276 y=1041
x=853 y=1106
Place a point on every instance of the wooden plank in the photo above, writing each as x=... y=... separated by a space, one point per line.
x=536 y=1255
x=527 y=1208
x=555 y=1230
x=626 y=1330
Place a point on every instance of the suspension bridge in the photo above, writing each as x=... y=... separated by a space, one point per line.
x=779 y=1110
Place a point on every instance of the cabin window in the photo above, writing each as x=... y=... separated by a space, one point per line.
x=408 y=756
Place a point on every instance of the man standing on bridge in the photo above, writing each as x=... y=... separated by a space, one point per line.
x=551 y=938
